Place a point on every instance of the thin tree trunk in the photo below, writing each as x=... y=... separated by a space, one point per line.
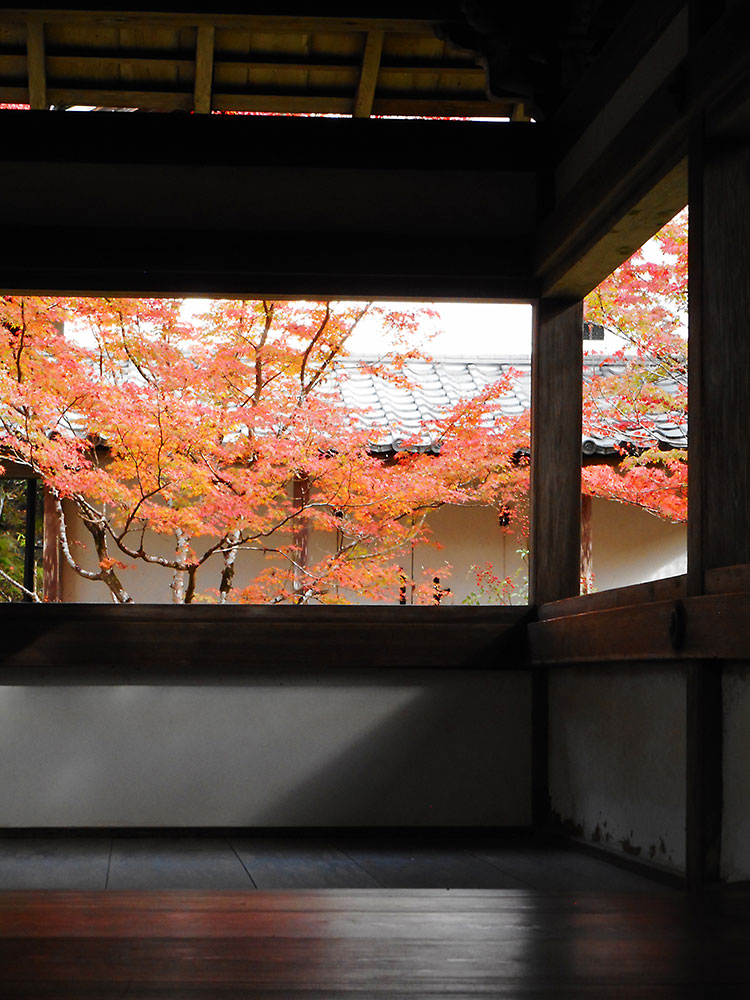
x=300 y=536
x=177 y=586
x=587 y=558
x=227 y=575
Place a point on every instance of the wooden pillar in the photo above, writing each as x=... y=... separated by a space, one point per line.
x=719 y=469
x=556 y=404
x=555 y=539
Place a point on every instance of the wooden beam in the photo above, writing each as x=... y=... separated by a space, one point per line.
x=144 y=100
x=311 y=227
x=37 y=73
x=95 y=20
x=646 y=156
x=368 y=77
x=640 y=28
x=556 y=419
x=713 y=628
x=670 y=588
x=131 y=637
x=204 y=69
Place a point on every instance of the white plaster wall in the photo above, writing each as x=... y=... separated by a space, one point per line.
x=357 y=748
x=146 y=583
x=468 y=536
x=629 y=545
x=617 y=757
x=735 y=848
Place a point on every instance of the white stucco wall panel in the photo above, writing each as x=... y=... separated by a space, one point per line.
x=467 y=537
x=735 y=848
x=360 y=749
x=617 y=757
x=629 y=545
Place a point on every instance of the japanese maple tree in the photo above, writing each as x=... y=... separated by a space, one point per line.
x=644 y=302
x=224 y=432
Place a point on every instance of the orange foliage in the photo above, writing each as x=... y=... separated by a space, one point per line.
x=151 y=424
x=645 y=302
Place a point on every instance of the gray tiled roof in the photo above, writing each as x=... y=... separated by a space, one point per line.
x=664 y=430
x=402 y=413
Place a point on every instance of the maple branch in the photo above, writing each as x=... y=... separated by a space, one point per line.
x=335 y=351
x=269 y=313
x=316 y=336
x=29 y=593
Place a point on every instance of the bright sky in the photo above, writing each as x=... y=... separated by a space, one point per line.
x=463 y=329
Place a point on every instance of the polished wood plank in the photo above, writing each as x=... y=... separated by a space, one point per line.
x=345 y=943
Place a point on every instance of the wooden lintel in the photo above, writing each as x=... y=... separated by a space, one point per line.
x=37 y=73
x=368 y=76
x=204 y=69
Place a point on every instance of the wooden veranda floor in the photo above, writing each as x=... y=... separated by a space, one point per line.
x=352 y=943
x=352 y=917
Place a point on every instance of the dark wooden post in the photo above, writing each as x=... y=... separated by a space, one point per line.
x=556 y=402
x=555 y=541
x=719 y=486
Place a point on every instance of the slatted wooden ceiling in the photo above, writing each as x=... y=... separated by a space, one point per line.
x=202 y=63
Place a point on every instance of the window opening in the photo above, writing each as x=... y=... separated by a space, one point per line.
x=634 y=449
x=283 y=452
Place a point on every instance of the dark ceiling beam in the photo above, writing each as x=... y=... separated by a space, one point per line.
x=409 y=20
x=231 y=206
x=639 y=180
x=636 y=35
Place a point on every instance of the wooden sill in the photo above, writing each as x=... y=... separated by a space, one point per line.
x=242 y=640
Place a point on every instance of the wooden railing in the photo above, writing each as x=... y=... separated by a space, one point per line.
x=649 y=621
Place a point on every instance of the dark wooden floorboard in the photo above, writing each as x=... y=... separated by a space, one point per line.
x=355 y=862
x=399 y=864
x=550 y=868
x=175 y=863
x=53 y=863
x=360 y=944
x=289 y=863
